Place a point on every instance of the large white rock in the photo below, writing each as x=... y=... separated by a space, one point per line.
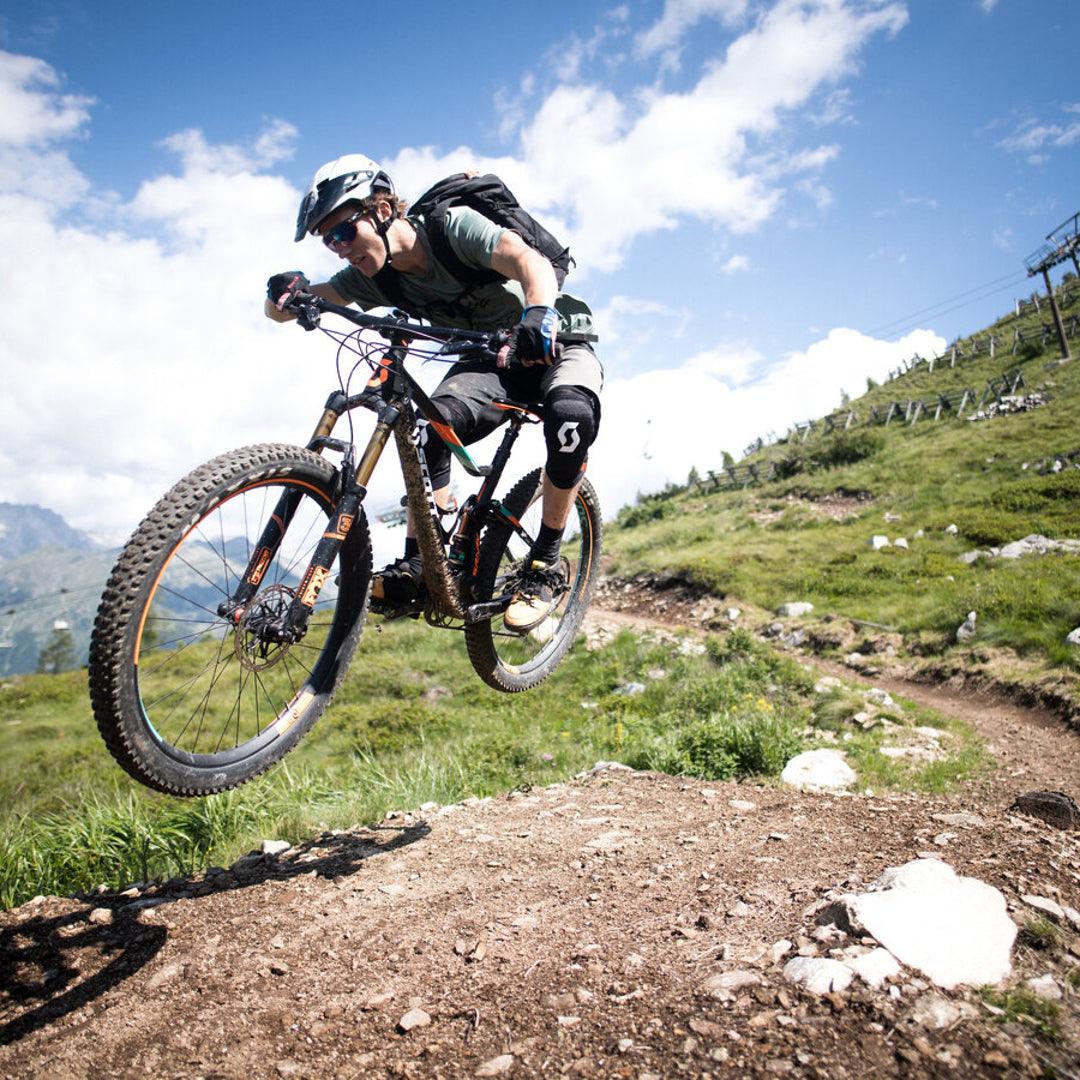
x=818 y=770
x=953 y=929
x=878 y=542
x=1073 y=637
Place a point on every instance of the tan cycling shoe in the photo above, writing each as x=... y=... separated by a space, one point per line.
x=536 y=597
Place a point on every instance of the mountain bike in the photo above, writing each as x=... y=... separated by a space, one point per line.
x=235 y=609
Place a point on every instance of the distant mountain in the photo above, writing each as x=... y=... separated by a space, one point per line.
x=25 y=528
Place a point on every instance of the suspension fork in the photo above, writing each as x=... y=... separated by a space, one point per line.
x=294 y=624
x=278 y=524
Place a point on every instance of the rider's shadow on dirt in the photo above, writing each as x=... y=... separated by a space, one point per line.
x=52 y=967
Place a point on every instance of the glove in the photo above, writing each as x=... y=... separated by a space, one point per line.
x=532 y=341
x=281 y=288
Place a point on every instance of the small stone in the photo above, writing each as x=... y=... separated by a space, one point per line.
x=631 y=689
x=101 y=916
x=818 y=770
x=818 y=975
x=965 y=632
x=995 y=1059
x=935 y=1011
x=879 y=542
x=1046 y=906
x=287 y=1068
x=794 y=609
x=728 y=983
x=952 y=530
x=875 y=967
x=624 y=1046
x=1045 y=987
x=414 y=1018
x=739 y=910
x=742 y=806
x=901 y=542
x=496 y=1066
x=275 y=847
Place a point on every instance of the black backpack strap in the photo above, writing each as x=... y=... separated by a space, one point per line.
x=441 y=248
x=388 y=281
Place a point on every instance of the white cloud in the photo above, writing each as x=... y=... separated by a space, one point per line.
x=735 y=264
x=33 y=111
x=132 y=353
x=680 y=16
x=1036 y=139
x=607 y=168
x=703 y=411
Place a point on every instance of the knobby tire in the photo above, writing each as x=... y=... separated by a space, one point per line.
x=188 y=703
x=514 y=662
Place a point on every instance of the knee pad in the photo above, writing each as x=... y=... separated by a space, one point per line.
x=571 y=421
x=436 y=453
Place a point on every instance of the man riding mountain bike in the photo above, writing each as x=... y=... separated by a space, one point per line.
x=457 y=267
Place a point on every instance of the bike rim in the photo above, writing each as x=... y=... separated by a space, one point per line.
x=213 y=693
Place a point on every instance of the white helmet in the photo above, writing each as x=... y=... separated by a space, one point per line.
x=339 y=181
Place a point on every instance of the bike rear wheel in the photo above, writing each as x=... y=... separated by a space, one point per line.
x=190 y=702
x=511 y=661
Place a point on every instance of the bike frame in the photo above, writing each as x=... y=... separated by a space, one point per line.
x=396 y=398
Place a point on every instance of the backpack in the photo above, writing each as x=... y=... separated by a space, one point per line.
x=489 y=196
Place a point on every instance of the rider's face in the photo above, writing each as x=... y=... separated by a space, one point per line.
x=365 y=251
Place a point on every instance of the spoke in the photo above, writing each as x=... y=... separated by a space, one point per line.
x=187 y=600
x=176 y=690
x=301 y=663
x=274 y=710
x=224 y=555
x=219 y=668
x=180 y=618
x=189 y=638
x=236 y=708
x=303 y=550
x=170 y=656
x=221 y=555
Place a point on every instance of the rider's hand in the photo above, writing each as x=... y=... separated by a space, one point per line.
x=281 y=288
x=532 y=341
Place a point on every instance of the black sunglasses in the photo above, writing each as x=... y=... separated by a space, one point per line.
x=344 y=232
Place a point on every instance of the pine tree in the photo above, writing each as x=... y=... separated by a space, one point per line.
x=58 y=653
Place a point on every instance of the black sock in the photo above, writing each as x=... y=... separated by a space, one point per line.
x=546 y=547
x=412 y=547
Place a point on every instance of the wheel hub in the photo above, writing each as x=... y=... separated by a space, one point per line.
x=258 y=643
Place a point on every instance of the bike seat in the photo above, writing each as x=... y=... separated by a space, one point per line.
x=533 y=409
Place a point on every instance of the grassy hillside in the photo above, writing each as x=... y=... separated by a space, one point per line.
x=807 y=536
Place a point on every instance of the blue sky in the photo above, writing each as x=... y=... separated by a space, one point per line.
x=769 y=200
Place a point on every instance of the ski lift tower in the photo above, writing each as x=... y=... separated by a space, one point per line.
x=1061 y=244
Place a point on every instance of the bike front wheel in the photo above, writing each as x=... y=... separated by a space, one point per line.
x=190 y=701
x=508 y=660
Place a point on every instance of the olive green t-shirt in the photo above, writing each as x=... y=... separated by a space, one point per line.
x=441 y=298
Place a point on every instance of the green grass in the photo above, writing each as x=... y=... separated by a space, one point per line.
x=1024 y=1007
x=73 y=820
x=932 y=475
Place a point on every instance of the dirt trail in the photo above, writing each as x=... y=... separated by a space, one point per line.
x=569 y=930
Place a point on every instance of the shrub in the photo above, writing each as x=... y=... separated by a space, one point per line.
x=848 y=447
x=651 y=510
x=753 y=742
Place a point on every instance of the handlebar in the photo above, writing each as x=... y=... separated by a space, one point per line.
x=488 y=344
